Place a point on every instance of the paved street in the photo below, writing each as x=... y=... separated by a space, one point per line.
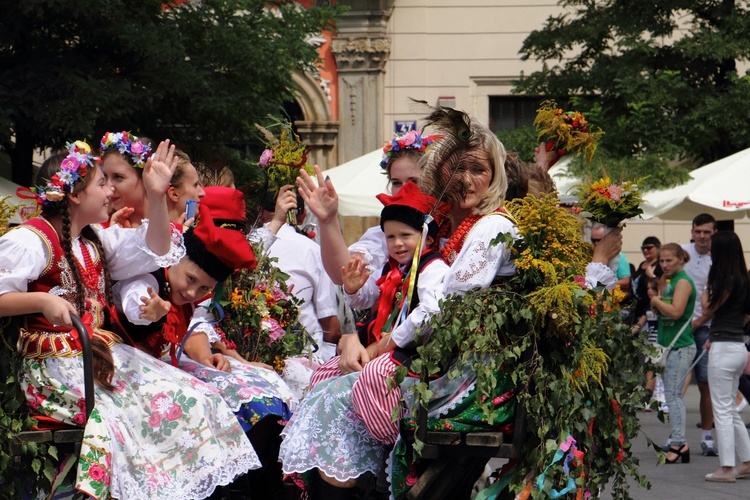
x=681 y=481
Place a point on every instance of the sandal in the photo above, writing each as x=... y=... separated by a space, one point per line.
x=682 y=453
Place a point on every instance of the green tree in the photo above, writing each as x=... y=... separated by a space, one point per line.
x=192 y=71
x=658 y=76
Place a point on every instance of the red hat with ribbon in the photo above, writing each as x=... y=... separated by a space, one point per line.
x=410 y=206
x=217 y=250
x=227 y=206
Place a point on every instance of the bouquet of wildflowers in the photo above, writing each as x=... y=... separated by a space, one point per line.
x=261 y=314
x=607 y=202
x=282 y=161
x=565 y=131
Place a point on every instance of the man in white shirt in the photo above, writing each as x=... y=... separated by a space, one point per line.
x=299 y=257
x=704 y=226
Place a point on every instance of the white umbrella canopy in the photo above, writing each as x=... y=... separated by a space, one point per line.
x=721 y=188
x=357 y=182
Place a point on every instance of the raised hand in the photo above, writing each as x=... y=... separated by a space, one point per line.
x=354 y=274
x=285 y=201
x=121 y=217
x=321 y=200
x=154 y=307
x=159 y=169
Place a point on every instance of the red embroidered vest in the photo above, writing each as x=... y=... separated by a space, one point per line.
x=40 y=338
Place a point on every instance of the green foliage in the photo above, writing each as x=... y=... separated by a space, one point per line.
x=654 y=171
x=522 y=140
x=199 y=72
x=658 y=77
x=35 y=468
x=575 y=365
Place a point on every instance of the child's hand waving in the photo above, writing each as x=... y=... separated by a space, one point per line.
x=354 y=274
x=159 y=169
x=154 y=307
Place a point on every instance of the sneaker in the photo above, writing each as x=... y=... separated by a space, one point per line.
x=708 y=449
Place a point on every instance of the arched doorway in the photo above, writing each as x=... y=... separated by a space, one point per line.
x=316 y=128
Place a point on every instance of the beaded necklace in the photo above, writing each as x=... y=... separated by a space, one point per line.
x=456 y=242
x=88 y=273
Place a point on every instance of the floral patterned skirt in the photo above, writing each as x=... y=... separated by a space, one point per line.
x=160 y=434
x=326 y=434
x=252 y=392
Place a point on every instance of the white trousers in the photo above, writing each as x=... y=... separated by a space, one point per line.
x=726 y=360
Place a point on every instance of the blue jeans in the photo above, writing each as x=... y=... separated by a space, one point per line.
x=678 y=363
x=701 y=369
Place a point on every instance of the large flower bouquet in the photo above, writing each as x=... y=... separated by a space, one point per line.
x=565 y=131
x=282 y=160
x=560 y=349
x=7 y=210
x=608 y=202
x=261 y=314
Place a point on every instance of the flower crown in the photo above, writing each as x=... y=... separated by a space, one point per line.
x=72 y=170
x=126 y=143
x=413 y=139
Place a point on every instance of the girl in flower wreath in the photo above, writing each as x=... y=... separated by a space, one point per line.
x=154 y=431
x=399 y=163
x=158 y=308
x=123 y=158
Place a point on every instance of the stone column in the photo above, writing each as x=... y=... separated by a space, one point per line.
x=361 y=49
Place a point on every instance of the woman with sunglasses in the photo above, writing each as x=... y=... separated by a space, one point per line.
x=649 y=268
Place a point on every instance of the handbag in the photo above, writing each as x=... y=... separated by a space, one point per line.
x=660 y=359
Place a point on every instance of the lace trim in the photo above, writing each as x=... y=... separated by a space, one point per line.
x=205 y=484
x=176 y=248
x=596 y=272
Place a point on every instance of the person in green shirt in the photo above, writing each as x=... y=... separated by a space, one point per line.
x=675 y=306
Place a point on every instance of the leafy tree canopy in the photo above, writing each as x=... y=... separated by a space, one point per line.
x=659 y=76
x=195 y=72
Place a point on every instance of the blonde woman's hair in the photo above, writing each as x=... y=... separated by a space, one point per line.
x=491 y=151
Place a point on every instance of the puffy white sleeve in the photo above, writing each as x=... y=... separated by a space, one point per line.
x=202 y=321
x=373 y=246
x=326 y=304
x=23 y=257
x=128 y=295
x=128 y=254
x=263 y=236
x=430 y=290
x=479 y=262
x=597 y=273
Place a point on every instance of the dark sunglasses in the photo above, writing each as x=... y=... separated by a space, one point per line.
x=647 y=247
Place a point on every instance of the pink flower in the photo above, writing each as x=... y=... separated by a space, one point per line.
x=411 y=479
x=174 y=412
x=79 y=419
x=410 y=137
x=265 y=157
x=275 y=332
x=158 y=401
x=154 y=420
x=136 y=148
x=615 y=192
x=82 y=404
x=70 y=163
x=278 y=294
x=580 y=280
x=96 y=472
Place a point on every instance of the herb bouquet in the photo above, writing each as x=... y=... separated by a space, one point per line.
x=261 y=314
x=565 y=131
x=559 y=349
x=282 y=161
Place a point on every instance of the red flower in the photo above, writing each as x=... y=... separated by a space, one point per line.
x=96 y=472
x=155 y=419
x=79 y=419
x=174 y=412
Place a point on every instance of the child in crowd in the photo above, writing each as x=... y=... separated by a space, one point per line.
x=154 y=431
x=157 y=309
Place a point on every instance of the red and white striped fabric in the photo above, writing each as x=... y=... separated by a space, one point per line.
x=373 y=398
x=329 y=370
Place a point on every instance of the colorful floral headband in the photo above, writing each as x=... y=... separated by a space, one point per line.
x=72 y=170
x=410 y=140
x=126 y=143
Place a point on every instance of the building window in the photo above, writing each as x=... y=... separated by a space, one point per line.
x=512 y=112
